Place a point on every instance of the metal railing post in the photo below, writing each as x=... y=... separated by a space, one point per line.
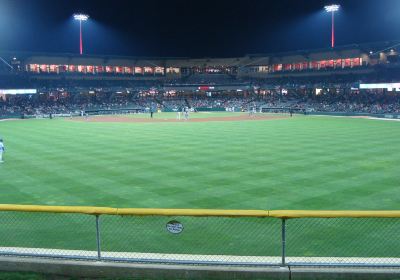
x=98 y=237
x=283 y=242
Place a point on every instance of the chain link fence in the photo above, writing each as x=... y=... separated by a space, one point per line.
x=343 y=241
x=195 y=240
x=188 y=237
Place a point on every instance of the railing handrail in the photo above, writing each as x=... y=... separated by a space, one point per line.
x=133 y=211
x=282 y=214
x=290 y=214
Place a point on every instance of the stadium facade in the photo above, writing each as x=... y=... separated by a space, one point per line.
x=364 y=58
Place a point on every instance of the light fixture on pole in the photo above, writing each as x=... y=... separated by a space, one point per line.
x=80 y=18
x=332 y=9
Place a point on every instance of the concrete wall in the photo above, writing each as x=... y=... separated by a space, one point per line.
x=152 y=271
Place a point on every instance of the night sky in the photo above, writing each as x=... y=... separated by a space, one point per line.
x=190 y=28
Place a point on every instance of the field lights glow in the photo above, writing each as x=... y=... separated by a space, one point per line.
x=81 y=17
x=332 y=8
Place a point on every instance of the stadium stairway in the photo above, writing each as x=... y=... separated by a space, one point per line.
x=188 y=103
x=158 y=101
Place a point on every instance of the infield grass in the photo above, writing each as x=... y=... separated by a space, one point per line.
x=316 y=163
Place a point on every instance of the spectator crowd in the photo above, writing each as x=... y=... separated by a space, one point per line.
x=330 y=97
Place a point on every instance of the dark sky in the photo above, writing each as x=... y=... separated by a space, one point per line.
x=192 y=28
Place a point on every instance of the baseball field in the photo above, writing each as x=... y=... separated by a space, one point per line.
x=221 y=162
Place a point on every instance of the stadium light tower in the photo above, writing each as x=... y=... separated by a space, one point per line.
x=80 y=18
x=332 y=9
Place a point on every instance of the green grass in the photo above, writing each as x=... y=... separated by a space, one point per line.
x=317 y=163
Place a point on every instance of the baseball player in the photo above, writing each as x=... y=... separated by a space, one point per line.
x=2 y=149
x=186 y=114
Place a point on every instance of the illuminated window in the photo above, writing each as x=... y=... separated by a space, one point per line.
x=148 y=70
x=44 y=68
x=128 y=70
x=52 y=68
x=138 y=70
x=356 y=62
x=71 y=68
x=81 y=69
x=119 y=69
x=159 y=70
x=278 y=67
x=173 y=70
x=99 y=69
x=90 y=69
x=33 y=67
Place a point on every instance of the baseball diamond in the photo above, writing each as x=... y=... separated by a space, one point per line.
x=200 y=140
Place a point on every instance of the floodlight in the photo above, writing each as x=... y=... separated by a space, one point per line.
x=332 y=8
x=81 y=17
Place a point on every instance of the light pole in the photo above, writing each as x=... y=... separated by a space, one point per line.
x=80 y=18
x=332 y=9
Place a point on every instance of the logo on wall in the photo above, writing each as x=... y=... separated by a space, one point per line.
x=174 y=227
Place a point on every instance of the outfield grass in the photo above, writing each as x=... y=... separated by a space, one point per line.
x=299 y=163
x=296 y=163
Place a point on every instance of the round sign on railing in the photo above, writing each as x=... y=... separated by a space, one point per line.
x=174 y=227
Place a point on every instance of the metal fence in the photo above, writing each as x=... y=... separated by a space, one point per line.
x=220 y=237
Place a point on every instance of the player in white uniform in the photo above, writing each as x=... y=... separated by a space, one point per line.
x=2 y=149
x=186 y=114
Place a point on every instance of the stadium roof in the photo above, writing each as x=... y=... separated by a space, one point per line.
x=347 y=51
x=370 y=46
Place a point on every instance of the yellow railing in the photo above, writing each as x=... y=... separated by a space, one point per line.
x=282 y=214
x=251 y=237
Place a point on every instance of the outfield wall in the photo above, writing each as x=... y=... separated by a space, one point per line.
x=202 y=237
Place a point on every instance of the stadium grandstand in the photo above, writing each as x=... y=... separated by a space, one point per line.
x=309 y=81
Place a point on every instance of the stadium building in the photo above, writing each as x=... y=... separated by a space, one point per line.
x=262 y=81
x=352 y=59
